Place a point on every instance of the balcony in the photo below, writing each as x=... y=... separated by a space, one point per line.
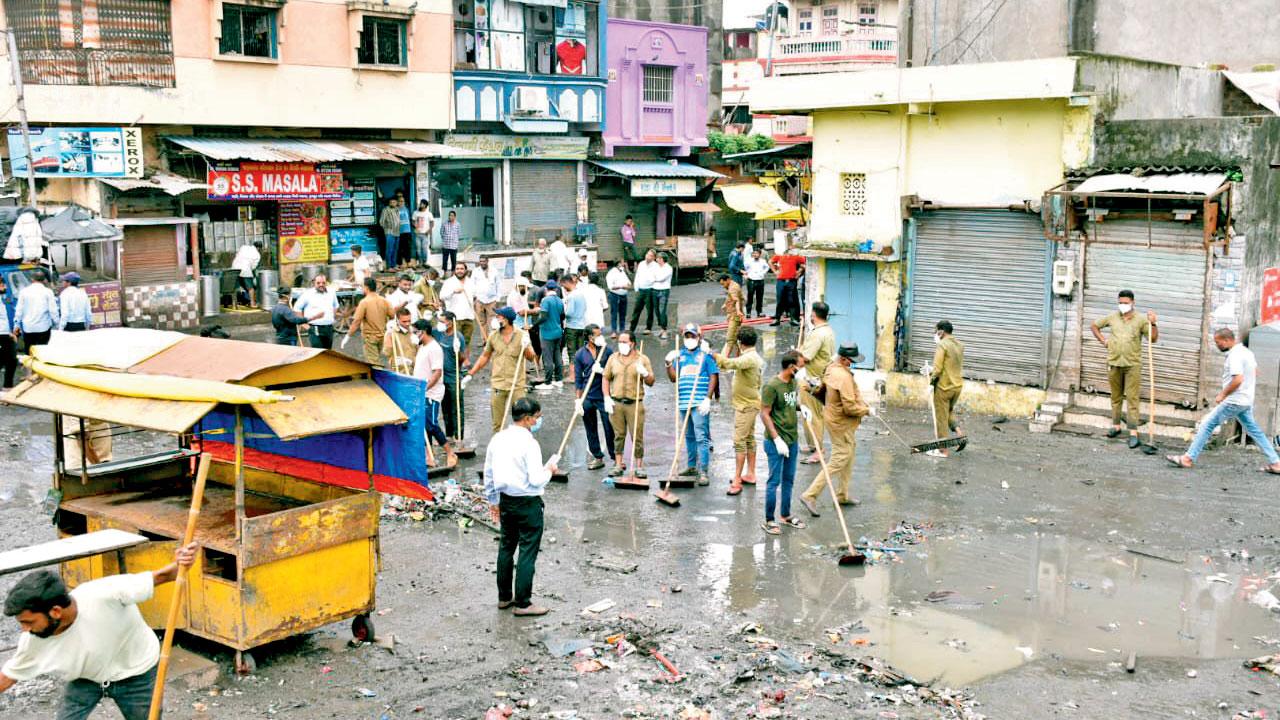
x=829 y=53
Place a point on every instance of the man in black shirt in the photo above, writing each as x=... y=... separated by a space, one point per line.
x=285 y=320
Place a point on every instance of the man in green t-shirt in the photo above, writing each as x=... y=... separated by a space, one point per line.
x=748 y=369
x=1124 y=361
x=778 y=405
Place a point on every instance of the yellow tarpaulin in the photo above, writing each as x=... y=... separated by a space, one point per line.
x=170 y=416
x=762 y=202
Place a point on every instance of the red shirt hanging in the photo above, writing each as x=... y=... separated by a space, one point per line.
x=572 y=56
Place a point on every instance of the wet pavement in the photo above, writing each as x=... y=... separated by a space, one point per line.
x=1042 y=564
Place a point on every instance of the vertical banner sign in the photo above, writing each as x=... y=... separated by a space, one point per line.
x=352 y=219
x=1270 y=311
x=304 y=231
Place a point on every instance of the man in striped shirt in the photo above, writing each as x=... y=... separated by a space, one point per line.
x=696 y=375
x=450 y=233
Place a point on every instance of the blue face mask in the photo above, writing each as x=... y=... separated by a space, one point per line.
x=537 y=425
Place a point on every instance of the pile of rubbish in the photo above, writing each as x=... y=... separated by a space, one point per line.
x=467 y=506
x=895 y=544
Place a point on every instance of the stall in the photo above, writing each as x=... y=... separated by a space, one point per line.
x=79 y=242
x=288 y=534
x=669 y=201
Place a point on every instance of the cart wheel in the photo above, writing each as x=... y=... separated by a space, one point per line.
x=362 y=628
x=245 y=664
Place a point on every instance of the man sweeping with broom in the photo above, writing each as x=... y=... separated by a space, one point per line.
x=624 y=374
x=946 y=376
x=93 y=637
x=504 y=348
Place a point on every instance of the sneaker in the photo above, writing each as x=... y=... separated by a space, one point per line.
x=644 y=331
x=530 y=611
x=559 y=384
x=703 y=480
x=662 y=335
x=689 y=472
x=616 y=471
x=640 y=474
x=544 y=388
x=595 y=464
x=775 y=323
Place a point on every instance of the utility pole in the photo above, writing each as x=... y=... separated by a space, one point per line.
x=771 y=23
x=22 y=114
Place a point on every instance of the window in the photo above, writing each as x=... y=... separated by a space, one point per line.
x=867 y=14
x=538 y=39
x=93 y=42
x=853 y=194
x=659 y=84
x=248 y=31
x=805 y=24
x=382 y=41
x=742 y=39
x=831 y=20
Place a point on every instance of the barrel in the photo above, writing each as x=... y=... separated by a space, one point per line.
x=268 y=280
x=210 y=295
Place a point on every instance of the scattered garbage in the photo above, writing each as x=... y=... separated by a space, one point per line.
x=366 y=693
x=1266 y=600
x=599 y=607
x=1270 y=663
x=563 y=647
x=624 y=567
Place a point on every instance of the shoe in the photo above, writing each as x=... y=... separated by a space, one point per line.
x=644 y=331
x=559 y=384
x=749 y=480
x=703 y=480
x=1134 y=442
x=595 y=464
x=689 y=472
x=794 y=522
x=640 y=474
x=616 y=471
x=545 y=388
x=504 y=604
x=810 y=506
x=531 y=611
x=1113 y=432
x=772 y=528
x=775 y=323
x=662 y=335
x=734 y=489
x=1176 y=461
x=850 y=502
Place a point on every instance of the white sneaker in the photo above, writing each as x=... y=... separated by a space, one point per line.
x=544 y=388
x=559 y=384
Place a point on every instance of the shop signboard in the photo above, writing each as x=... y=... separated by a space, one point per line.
x=304 y=231
x=274 y=181
x=104 y=303
x=1270 y=311
x=664 y=187
x=520 y=147
x=358 y=205
x=78 y=152
x=342 y=239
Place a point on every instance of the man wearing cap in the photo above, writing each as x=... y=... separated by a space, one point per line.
x=285 y=320
x=625 y=374
x=819 y=348
x=696 y=375
x=588 y=364
x=843 y=412
x=946 y=375
x=505 y=346
x=73 y=305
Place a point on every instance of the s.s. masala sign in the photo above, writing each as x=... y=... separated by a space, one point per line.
x=274 y=181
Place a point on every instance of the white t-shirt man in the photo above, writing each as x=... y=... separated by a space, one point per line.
x=422 y=220
x=411 y=300
x=662 y=273
x=757 y=268
x=246 y=260
x=108 y=641
x=456 y=299
x=312 y=300
x=618 y=281
x=429 y=359
x=1240 y=361
x=562 y=258
x=645 y=273
x=360 y=269
x=597 y=303
x=485 y=286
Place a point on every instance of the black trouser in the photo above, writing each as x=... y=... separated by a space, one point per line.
x=591 y=410
x=755 y=296
x=31 y=339
x=449 y=260
x=454 y=396
x=404 y=249
x=131 y=695
x=644 y=301
x=74 y=327
x=8 y=357
x=521 y=522
x=788 y=301
x=322 y=336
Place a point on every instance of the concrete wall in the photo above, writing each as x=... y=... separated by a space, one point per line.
x=1125 y=89
x=949 y=32
x=708 y=14
x=633 y=44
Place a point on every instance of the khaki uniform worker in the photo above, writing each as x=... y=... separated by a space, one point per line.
x=504 y=348
x=400 y=344
x=624 y=377
x=1124 y=361
x=843 y=414
x=732 y=312
x=946 y=375
x=748 y=373
x=818 y=349
x=370 y=320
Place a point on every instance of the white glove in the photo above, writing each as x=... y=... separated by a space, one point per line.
x=873 y=411
x=704 y=407
x=781 y=446
x=641 y=371
x=806 y=413
x=553 y=460
x=343 y=345
x=927 y=370
x=466 y=379
x=813 y=381
x=524 y=341
x=608 y=405
x=705 y=346
x=457 y=344
x=671 y=356
x=597 y=369
x=577 y=407
x=802 y=375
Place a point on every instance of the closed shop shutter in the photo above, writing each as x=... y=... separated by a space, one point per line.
x=733 y=228
x=986 y=272
x=609 y=207
x=1169 y=279
x=150 y=255
x=543 y=200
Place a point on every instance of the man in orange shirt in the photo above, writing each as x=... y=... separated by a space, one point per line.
x=786 y=268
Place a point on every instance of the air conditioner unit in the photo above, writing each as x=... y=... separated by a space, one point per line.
x=531 y=101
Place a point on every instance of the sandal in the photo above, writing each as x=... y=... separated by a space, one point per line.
x=749 y=480
x=734 y=489
x=1268 y=469
x=772 y=528
x=1176 y=461
x=794 y=522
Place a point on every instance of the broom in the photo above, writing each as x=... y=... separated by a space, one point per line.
x=563 y=476
x=664 y=495
x=849 y=556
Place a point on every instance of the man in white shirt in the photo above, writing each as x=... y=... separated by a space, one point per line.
x=1235 y=402
x=93 y=638
x=246 y=261
x=756 y=269
x=423 y=223
x=318 y=304
x=74 y=310
x=486 y=289
x=662 y=276
x=619 y=284
x=428 y=365
x=645 y=273
x=514 y=479
x=36 y=314
x=361 y=268
x=457 y=299
x=405 y=297
x=597 y=302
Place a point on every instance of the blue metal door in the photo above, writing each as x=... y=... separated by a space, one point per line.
x=851 y=294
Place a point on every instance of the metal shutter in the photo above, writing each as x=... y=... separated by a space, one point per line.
x=1169 y=279
x=607 y=213
x=986 y=272
x=150 y=255
x=731 y=229
x=543 y=200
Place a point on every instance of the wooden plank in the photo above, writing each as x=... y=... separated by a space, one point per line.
x=169 y=416
x=330 y=408
x=67 y=549
x=309 y=528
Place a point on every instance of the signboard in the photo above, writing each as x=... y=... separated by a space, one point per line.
x=1270 y=296
x=274 y=181
x=104 y=303
x=342 y=239
x=358 y=205
x=78 y=152
x=664 y=187
x=304 y=231
x=521 y=147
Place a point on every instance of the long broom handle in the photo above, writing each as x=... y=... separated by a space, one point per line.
x=1151 y=372
x=457 y=389
x=635 y=417
x=180 y=584
x=511 y=394
x=675 y=457
x=564 y=441
x=830 y=486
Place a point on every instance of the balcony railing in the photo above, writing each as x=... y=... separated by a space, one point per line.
x=870 y=48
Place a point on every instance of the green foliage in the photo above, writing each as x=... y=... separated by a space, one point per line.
x=727 y=144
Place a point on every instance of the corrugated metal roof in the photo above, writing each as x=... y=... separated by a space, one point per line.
x=314 y=150
x=165 y=182
x=75 y=224
x=1180 y=183
x=655 y=168
x=325 y=409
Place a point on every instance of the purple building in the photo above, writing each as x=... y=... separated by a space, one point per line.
x=657 y=87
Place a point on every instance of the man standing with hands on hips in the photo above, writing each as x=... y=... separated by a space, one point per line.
x=1124 y=361
x=514 y=479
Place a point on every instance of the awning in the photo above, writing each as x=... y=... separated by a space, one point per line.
x=314 y=150
x=168 y=416
x=1176 y=183
x=331 y=408
x=165 y=182
x=655 y=169
x=115 y=348
x=547 y=3
x=77 y=224
x=704 y=207
x=762 y=202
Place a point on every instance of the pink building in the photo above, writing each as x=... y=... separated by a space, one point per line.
x=658 y=87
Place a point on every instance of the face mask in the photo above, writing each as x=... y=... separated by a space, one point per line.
x=537 y=425
x=495 y=324
x=599 y=341
x=522 y=291
x=937 y=339
x=691 y=343
x=624 y=348
x=1124 y=308
x=441 y=327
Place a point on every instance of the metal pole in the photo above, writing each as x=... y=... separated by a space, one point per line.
x=772 y=22
x=239 y=476
x=11 y=37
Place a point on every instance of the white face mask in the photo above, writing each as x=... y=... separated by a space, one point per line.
x=495 y=324
x=1124 y=308
x=691 y=343
x=441 y=327
x=937 y=338
x=599 y=341
x=624 y=348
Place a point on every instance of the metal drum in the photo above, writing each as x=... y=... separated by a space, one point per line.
x=309 y=273
x=210 y=295
x=268 y=281
x=338 y=273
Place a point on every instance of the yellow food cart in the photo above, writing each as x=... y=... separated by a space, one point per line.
x=287 y=544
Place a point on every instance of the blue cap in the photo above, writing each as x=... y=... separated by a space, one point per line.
x=72 y=277
x=692 y=328
x=507 y=313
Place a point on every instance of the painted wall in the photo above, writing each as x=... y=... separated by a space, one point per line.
x=629 y=121
x=707 y=14
x=314 y=83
